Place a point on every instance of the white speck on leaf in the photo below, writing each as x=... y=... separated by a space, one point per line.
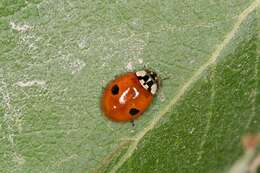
x=11 y=138
x=161 y=96
x=83 y=43
x=140 y=61
x=136 y=23
x=77 y=65
x=31 y=83
x=129 y=66
x=60 y=162
x=20 y=27
x=71 y=64
x=192 y=130
x=18 y=159
x=192 y=61
x=30 y=41
x=12 y=114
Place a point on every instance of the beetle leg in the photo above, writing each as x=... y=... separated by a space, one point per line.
x=133 y=123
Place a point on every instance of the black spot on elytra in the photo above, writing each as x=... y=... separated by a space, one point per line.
x=115 y=89
x=133 y=111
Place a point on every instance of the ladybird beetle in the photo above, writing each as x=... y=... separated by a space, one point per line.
x=126 y=97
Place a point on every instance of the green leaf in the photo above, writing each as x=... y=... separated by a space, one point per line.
x=56 y=57
x=202 y=132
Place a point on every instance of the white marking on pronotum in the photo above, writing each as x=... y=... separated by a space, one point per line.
x=136 y=93
x=143 y=84
x=153 y=88
x=141 y=73
x=122 y=97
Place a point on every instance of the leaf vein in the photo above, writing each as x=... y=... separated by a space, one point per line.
x=207 y=128
x=196 y=76
x=251 y=117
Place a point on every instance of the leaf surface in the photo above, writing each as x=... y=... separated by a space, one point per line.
x=56 y=57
